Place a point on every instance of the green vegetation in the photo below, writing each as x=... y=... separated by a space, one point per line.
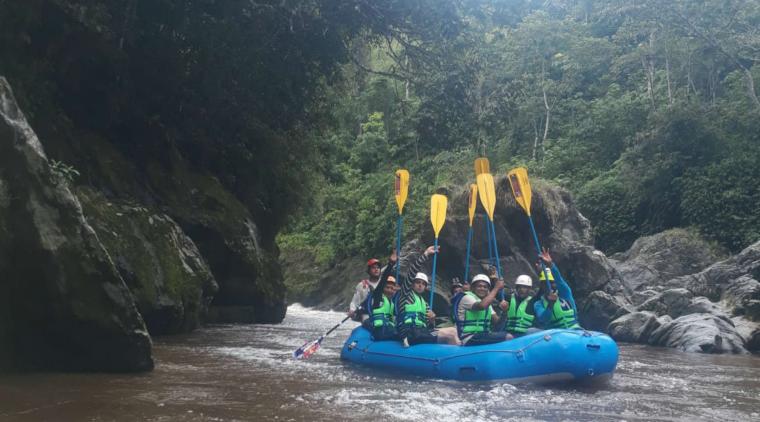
x=302 y=109
x=648 y=112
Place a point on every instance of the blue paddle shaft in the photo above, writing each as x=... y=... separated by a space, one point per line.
x=467 y=257
x=435 y=262
x=496 y=254
x=495 y=249
x=398 y=246
x=538 y=249
x=488 y=235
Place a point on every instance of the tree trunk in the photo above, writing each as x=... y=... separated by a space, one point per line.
x=129 y=13
x=407 y=83
x=667 y=76
x=751 y=87
x=548 y=111
x=535 y=138
x=647 y=62
x=546 y=124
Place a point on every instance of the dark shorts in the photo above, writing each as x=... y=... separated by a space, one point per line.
x=485 y=338
x=530 y=330
x=419 y=335
x=387 y=332
x=384 y=333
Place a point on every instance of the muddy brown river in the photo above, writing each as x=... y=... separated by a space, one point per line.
x=246 y=373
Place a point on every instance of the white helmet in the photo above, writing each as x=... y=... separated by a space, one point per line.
x=524 y=280
x=481 y=277
x=421 y=276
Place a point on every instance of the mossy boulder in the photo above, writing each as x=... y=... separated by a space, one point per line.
x=163 y=268
x=243 y=264
x=64 y=304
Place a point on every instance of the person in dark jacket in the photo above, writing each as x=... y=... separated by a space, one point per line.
x=556 y=306
x=381 y=322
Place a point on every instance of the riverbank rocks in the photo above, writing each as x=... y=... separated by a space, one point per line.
x=713 y=311
x=64 y=304
x=699 y=332
x=653 y=260
x=635 y=327
x=169 y=279
x=243 y=264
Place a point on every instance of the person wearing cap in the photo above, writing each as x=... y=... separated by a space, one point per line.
x=474 y=314
x=363 y=290
x=381 y=309
x=456 y=287
x=520 y=308
x=412 y=313
x=556 y=307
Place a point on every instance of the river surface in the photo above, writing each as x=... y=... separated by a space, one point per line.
x=246 y=373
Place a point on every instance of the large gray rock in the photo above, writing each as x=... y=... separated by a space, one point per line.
x=715 y=310
x=333 y=287
x=705 y=333
x=560 y=228
x=742 y=297
x=600 y=308
x=64 y=305
x=635 y=327
x=653 y=260
x=243 y=262
x=163 y=268
x=671 y=302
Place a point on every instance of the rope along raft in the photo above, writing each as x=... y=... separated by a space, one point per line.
x=546 y=356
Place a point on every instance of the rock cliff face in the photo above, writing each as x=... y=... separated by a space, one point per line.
x=65 y=304
x=682 y=301
x=168 y=277
x=85 y=267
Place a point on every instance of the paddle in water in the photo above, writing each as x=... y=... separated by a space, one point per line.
x=311 y=347
x=518 y=180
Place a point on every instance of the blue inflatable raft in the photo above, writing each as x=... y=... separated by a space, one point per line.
x=544 y=357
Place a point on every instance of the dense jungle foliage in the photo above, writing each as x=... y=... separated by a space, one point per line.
x=647 y=111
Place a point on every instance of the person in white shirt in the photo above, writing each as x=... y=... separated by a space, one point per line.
x=363 y=289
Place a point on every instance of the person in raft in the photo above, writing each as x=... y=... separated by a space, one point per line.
x=412 y=313
x=520 y=308
x=381 y=321
x=556 y=308
x=363 y=289
x=474 y=314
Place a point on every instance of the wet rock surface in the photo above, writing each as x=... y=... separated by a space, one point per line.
x=714 y=310
x=66 y=306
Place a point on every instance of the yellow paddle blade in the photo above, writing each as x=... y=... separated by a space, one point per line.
x=518 y=179
x=472 y=201
x=482 y=166
x=402 y=188
x=438 y=205
x=487 y=193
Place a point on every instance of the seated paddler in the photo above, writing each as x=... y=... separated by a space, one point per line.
x=474 y=315
x=556 y=308
x=381 y=322
x=415 y=322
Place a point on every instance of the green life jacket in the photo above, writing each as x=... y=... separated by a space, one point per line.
x=382 y=315
x=415 y=313
x=475 y=321
x=518 y=319
x=561 y=318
